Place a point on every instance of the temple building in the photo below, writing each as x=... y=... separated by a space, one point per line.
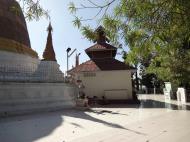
x=103 y=75
x=27 y=83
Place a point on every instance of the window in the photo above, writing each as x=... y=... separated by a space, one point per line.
x=89 y=74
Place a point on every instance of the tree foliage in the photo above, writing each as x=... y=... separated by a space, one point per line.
x=156 y=31
x=32 y=9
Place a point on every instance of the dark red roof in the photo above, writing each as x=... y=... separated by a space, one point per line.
x=101 y=65
x=100 y=47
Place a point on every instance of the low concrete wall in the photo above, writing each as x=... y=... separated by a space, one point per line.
x=19 y=98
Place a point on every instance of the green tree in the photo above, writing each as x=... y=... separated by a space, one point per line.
x=148 y=27
x=32 y=9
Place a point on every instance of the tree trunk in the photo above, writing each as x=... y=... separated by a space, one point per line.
x=137 y=81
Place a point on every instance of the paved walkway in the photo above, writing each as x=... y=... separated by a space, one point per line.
x=154 y=120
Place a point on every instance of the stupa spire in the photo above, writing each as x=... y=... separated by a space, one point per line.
x=49 y=54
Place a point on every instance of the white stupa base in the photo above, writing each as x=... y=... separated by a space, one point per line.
x=16 y=67
x=48 y=71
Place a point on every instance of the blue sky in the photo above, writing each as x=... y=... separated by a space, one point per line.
x=64 y=33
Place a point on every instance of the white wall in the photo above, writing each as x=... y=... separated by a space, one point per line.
x=16 y=98
x=48 y=71
x=19 y=67
x=15 y=66
x=17 y=62
x=119 y=81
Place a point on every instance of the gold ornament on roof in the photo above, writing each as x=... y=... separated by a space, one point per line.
x=101 y=35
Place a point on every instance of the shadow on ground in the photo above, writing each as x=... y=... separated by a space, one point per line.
x=84 y=115
x=30 y=128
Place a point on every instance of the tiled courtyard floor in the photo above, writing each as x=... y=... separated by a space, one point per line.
x=154 y=120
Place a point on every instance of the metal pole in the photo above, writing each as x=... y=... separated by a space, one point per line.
x=67 y=62
x=68 y=49
x=72 y=52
